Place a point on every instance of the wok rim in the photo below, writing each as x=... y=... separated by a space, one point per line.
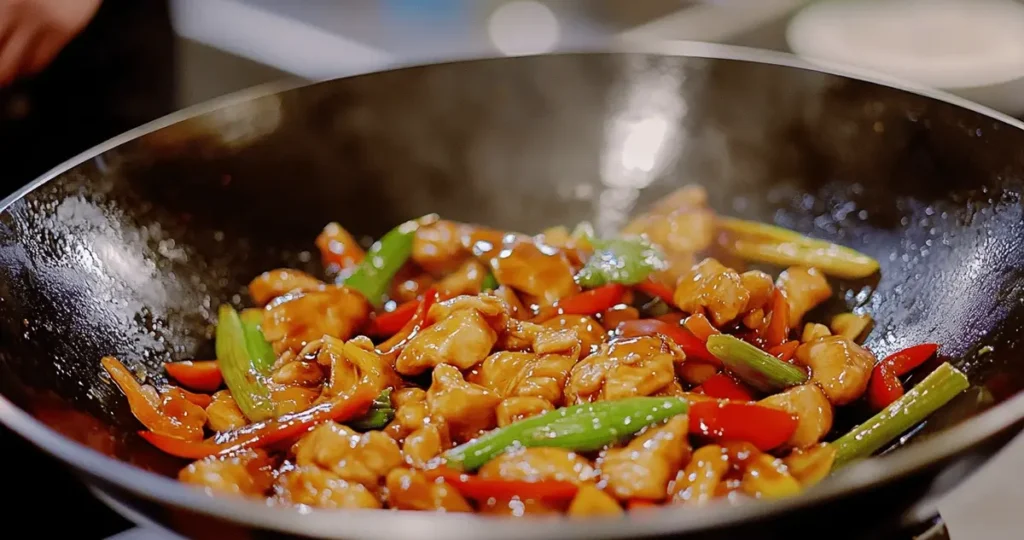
x=367 y=524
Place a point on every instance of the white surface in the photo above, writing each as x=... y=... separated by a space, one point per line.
x=974 y=48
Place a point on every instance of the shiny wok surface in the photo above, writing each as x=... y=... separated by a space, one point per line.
x=130 y=250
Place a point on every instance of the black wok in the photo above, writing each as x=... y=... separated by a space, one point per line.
x=128 y=249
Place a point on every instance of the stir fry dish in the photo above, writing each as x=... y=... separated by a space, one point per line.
x=454 y=367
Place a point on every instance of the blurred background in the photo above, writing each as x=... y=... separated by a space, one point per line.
x=115 y=64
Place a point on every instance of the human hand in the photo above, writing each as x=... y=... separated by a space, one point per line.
x=32 y=32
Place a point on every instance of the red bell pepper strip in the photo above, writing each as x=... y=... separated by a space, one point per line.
x=656 y=290
x=147 y=411
x=885 y=386
x=203 y=400
x=389 y=324
x=764 y=427
x=700 y=326
x=593 y=301
x=203 y=375
x=693 y=347
x=268 y=432
x=785 y=351
x=418 y=322
x=722 y=386
x=777 y=330
x=474 y=487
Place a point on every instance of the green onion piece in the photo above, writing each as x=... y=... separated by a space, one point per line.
x=928 y=396
x=754 y=366
x=382 y=262
x=236 y=365
x=490 y=282
x=260 y=351
x=379 y=415
x=775 y=245
x=580 y=428
x=621 y=260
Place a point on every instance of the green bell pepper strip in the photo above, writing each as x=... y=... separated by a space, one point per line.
x=236 y=365
x=380 y=414
x=385 y=257
x=580 y=428
x=260 y=351
x=490 y=282
x=754 y=366
x=620 y=260
x=928 y=396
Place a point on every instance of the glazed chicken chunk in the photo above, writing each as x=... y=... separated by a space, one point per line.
x=621 y=368
x=301 y=318
x=712 y=287
x=839 y=366
x=247 y=472
x=364 y=458
x=644 y=467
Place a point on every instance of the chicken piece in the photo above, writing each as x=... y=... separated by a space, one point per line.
x=766 y=477
x=353 y=363
x=439 y=247
x=514 y=409
x=274 y=283
x=334 y=311
x=461 y=339
x=409 y=283
x=298 y=373
x=680 y=222
x=760 y=287
x=223 y=414
x=534 y=465
x=467 y=408
x=638 y=366
x=292 y=399
x=425 y=444
x=811 y=465
x=839 y=366
x=338 y=249
x=850 y=325
x=754 y=320
x=611 y=318
x=590 y=501
x=644 y=467
x=713 y=287
x=589 y=332
x=516 y=309
x=697 y=482
x=246 y=472
x=313 y=486
x=805 y=288
x=410 y=490
x=541 y=272
x=510 y=374
x=411 y=413
x=813 y=412
x=695 y=373
x=466 y=279
x=813 y=331
x=364 y=458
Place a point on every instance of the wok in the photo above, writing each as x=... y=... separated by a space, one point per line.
x=128 y=249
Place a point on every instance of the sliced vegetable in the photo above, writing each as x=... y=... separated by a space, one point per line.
x=147 y=408
x=934 y=391
x=268 y=432
x=380 y=414
x=260 y=350
x=477 y=488
x=388 y=324
x=382 y=262
x=418 y=322
x=201 y=375
x=589 y=302
x=722 y=386
x=236 y=364
x=775 y=245
x=620 y=260
x=764 y=427
x=786 y=351
x=656 y=290
x=778 y=327
x=490 y=282
x=700 y=326
x=581 y=428
x=754 y=366
x=885 y=386
x=203 y=400
x=691 y=346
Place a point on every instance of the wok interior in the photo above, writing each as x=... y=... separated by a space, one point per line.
x=129 y=254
